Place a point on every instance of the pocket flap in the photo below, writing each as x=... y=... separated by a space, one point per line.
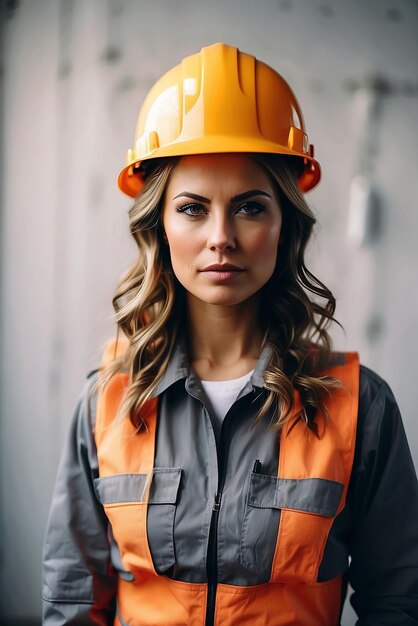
x=319 y=496
x=125 y=488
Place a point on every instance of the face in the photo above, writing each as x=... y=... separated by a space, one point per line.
x=222 y=221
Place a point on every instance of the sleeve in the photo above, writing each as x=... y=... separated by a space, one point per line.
x=78 y=582
x=384 y=493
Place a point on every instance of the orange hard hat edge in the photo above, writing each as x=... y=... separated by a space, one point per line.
x=131 y=182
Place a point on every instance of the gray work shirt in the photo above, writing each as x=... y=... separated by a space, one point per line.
x=373 y=542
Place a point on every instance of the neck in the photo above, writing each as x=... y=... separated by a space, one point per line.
x=223 y=341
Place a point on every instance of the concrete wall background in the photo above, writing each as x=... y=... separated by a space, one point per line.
x=74 y=73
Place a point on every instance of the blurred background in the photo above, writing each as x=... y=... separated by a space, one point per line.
x=73 y=75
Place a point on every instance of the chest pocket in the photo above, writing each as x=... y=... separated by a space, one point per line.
x=269 y=502
x=142 y=528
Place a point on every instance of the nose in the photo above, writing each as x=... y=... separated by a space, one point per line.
x=221 y=234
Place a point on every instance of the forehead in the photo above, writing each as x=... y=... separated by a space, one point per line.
x=233 y=172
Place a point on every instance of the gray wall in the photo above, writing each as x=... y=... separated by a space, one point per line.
x=74 y=74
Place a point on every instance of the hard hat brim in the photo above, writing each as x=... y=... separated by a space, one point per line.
x=131 y=182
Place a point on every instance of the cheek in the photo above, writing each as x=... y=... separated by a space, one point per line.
x=183 y=247
x=264 y=244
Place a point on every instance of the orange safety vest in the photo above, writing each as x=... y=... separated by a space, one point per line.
x=292 y=596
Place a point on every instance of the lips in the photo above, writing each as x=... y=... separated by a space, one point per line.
x=222 y=267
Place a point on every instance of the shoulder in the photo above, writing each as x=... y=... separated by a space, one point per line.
x=380 y=430
x=84 y=417
x=372 y=387
x=376 y=400
x=377 y=410
x=379 y=425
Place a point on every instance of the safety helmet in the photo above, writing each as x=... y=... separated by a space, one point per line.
x=219 y=100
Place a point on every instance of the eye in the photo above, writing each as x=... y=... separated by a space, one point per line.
x=192 y=209
x=251 y=208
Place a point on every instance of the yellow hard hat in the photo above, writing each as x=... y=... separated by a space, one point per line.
x=219 y=100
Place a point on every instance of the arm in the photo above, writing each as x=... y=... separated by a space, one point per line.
x=79 y=584
x=384 y=496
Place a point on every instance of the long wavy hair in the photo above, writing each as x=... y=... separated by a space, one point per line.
x=296 y=307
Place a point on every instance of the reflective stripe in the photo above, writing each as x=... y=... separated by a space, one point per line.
x=119 y=447
x=312 y=495
x=329 y=455
x=122 y=488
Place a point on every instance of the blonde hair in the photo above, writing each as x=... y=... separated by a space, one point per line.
x=149 y=304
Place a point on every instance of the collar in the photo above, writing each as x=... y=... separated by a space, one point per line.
x=178 y=368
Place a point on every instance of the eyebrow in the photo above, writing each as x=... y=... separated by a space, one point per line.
x=240 y=196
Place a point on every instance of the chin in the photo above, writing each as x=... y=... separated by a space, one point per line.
x=225 y=299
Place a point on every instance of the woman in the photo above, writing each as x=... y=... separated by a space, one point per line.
x=224 y=466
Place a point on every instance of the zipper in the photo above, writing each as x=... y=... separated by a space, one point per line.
x=212 y=556
x=212 y=560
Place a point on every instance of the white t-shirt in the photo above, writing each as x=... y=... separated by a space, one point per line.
x=223 y=393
